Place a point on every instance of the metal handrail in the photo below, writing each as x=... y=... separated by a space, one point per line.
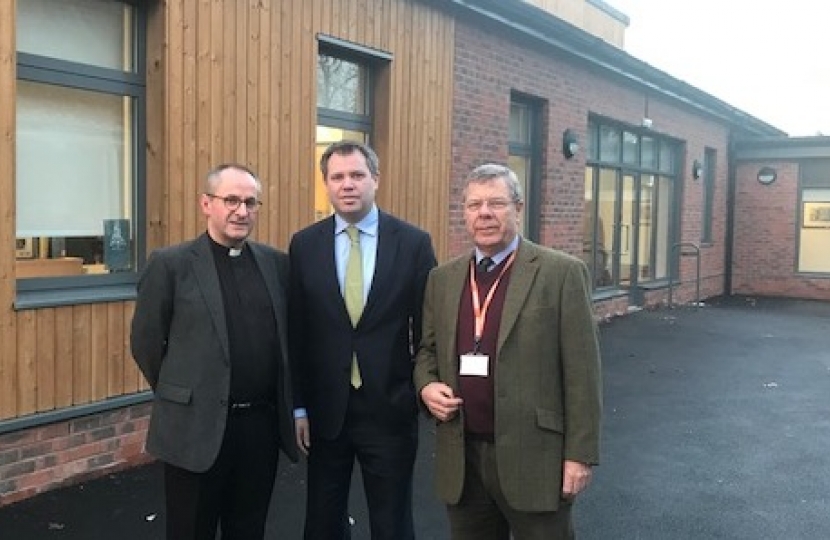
x=696 y=254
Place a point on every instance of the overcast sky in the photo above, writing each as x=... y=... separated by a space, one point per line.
x=768 y=59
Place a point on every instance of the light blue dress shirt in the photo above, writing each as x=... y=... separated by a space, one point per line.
x=368 y=227
x=501 y=255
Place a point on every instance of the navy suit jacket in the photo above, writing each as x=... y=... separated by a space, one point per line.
x=323 y=339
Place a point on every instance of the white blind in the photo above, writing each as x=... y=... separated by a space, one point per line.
x=70 y=160
x=92 y=32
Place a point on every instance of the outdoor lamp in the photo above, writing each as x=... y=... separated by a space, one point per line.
x=570 y=144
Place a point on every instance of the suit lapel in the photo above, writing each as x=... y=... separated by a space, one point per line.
x=521 y=279
x=268 y=267
x=323 y=262
x=457 y=273
x=204 y=268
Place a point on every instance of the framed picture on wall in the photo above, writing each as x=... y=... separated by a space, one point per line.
x=24 y=248
x=816 y=215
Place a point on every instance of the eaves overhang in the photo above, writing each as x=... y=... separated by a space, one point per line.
x=566 y=38
x=777 y=148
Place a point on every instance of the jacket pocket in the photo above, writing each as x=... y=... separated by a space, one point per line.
x=174 y=393
x=550 y=420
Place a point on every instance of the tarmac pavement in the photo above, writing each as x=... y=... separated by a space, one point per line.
x=716 y=426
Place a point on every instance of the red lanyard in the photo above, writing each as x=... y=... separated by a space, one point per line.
x=479 y=311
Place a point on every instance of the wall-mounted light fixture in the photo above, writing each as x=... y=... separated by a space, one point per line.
x=767 y=175
x=697 y=170
x=570 y=144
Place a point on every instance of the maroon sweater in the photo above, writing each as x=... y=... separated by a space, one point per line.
x=476 y=391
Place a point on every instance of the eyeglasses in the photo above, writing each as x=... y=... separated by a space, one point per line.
x=493 y=204
x=232 y=202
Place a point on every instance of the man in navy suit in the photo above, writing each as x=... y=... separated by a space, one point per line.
x=354 y=397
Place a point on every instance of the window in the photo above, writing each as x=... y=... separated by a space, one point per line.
x=708 y=196
x=629 y=204
x=814 y=229
x=524 y=159
x=345 y=81
x=79 y=134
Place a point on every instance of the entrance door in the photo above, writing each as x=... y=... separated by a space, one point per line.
x=615 y=229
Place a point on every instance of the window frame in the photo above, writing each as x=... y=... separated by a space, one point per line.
x=42 y=292
x=708 y=202
x=598 y=160
x=532 y=151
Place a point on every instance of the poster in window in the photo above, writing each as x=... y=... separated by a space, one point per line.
x=24 y=248
x=117 y=245
x=816 y=215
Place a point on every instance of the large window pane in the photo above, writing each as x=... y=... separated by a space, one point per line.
x=814 y=255
x=662 y=226
x=609 y=144
x=94 y=32
x=519 y=123
x=645 y=233
x=631 y=148
x=74 y=174
x=341 y=85
x=648 y=159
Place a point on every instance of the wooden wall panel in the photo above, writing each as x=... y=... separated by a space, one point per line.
x=45 y=359
x=8 y=318
x=241 y=86
x=64 y=353
x=232 y=80
x=26 y=362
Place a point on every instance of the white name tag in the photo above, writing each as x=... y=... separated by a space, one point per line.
x=474 y=364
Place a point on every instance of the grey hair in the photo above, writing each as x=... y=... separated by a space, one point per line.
x=214 y=176
x=492 y=171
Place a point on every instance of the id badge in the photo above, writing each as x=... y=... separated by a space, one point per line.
x=474 y=364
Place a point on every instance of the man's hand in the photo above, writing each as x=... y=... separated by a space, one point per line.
x=440 y=400
x=575 y=478
x=302 y=430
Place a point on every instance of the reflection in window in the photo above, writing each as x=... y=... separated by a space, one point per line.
x=609 y=144
x=341 y=85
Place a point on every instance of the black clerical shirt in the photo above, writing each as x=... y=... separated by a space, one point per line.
x=252 y=328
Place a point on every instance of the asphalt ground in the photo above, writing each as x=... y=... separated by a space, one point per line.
x=716 y=426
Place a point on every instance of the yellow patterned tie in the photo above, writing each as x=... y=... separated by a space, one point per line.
x=354 y=291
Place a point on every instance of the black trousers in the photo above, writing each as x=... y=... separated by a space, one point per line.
x=386 y=454
x=235 y=492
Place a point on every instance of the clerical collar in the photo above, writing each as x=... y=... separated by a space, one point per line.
x=219 y=249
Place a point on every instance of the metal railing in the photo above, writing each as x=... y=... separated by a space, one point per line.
x=687 y=249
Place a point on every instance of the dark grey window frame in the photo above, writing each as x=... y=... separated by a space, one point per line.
x=708 y=202
x=73 y=290
x=593 y=161
x=367 y=57
x=533 y=150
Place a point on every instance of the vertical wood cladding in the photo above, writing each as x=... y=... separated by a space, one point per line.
x=232 y=81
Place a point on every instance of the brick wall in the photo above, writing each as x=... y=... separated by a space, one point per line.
x=491 y=61
x=46 y=457
x=766 y=236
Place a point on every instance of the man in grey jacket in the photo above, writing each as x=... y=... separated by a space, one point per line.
x=209 y=336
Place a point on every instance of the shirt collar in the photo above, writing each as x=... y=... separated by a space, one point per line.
x=501 y=255
x=367 y=225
